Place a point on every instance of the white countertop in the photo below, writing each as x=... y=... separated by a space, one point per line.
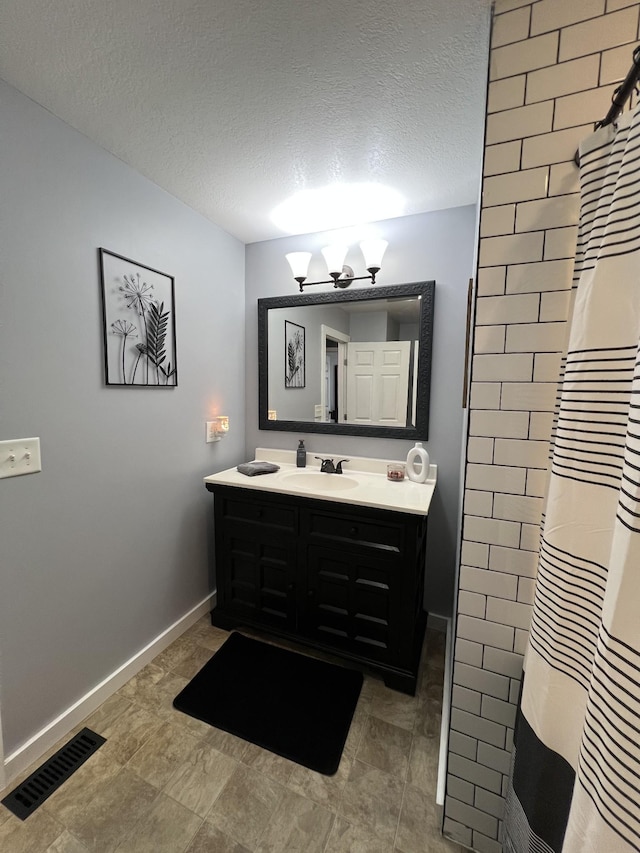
x=363 y=483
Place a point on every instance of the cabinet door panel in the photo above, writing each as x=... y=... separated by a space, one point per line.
x=345 y=607
x=259 y=581
x=372 y=601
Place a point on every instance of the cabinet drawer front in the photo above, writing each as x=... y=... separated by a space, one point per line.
x=283 y=517
x=356 y=529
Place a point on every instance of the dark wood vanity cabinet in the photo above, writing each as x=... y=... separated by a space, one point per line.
x=342 y=578
x=256 y=560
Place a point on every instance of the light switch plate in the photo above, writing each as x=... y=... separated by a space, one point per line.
x=19 y=456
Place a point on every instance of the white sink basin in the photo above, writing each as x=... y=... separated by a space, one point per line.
x=319 y=482
x=364 y=483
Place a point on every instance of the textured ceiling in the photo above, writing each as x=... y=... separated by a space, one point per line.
x=233 y=105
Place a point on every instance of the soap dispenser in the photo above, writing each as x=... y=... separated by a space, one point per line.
x=301 y=455
x=418 y=463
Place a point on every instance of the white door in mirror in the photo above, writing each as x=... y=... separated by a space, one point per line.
x=378 y=383
x=19 y=456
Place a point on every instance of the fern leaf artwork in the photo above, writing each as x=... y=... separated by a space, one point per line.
x=291 y=360
x=167 y=372
x=157 y=321
x=138 y=305
x=294 y=372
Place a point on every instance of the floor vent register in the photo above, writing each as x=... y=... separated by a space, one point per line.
x=26 y=798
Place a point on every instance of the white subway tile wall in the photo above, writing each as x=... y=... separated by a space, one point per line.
x=534 y=278
x=490 y=339
x=519 y=122
x=512 y=26
x=510 y=186
x=478 y=503
x=503 y=368
x=615 y=63
x=502 y=158
x=527 y=454
x=553 y=67
x=491 y=281
x=497 y=478
x=599 y=33
x=550 y=15
x=558 y=80
x=498 y=220
x=540 y=423
x=505 y=94
x=563 y=179
x=547 y=364
x=485 y=395
x=560 y=242
x=537 y=480
x=575 y=109
x=554 y=306
x=523 y=56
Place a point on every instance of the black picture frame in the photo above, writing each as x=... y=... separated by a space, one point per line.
x=138 y=323
x=294 y=355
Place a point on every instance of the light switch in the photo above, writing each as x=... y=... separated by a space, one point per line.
x=19 y=456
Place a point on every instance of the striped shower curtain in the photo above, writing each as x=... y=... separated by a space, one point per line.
x=575 y=781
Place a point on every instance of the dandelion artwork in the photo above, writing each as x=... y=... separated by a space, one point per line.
x=293 y=355
x=139 y=323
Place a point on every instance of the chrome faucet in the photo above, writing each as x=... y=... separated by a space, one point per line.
x=327 y=466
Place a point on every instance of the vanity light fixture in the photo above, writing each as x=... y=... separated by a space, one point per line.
x=217 y=428
x=341 y=275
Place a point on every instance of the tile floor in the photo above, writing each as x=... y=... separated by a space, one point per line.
x=167 y=783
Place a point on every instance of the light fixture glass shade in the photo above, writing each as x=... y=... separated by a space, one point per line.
x=299 y=263
x=334 y=256
x=373 y=250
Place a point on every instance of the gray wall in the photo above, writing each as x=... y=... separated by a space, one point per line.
x=427 y=246
x=108 y=545
x=298 y=404
x=372 y=326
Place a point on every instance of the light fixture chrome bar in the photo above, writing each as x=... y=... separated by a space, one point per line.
x=341 y=275
x=339 y=282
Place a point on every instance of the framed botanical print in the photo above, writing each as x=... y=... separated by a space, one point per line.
x=294 y=361
x=139 y=323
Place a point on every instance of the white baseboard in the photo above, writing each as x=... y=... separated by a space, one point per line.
x=43 y=740
x=446 y=714
x=438 y=622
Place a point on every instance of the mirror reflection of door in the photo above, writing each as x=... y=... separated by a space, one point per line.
x=331 y=382
x=378 y=383
x=333 y=345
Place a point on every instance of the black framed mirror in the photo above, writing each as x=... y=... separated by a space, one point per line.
x=347 y=362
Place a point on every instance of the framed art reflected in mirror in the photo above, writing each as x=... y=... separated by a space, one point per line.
x=294 y=355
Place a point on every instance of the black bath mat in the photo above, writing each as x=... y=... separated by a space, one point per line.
x=288 y=703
